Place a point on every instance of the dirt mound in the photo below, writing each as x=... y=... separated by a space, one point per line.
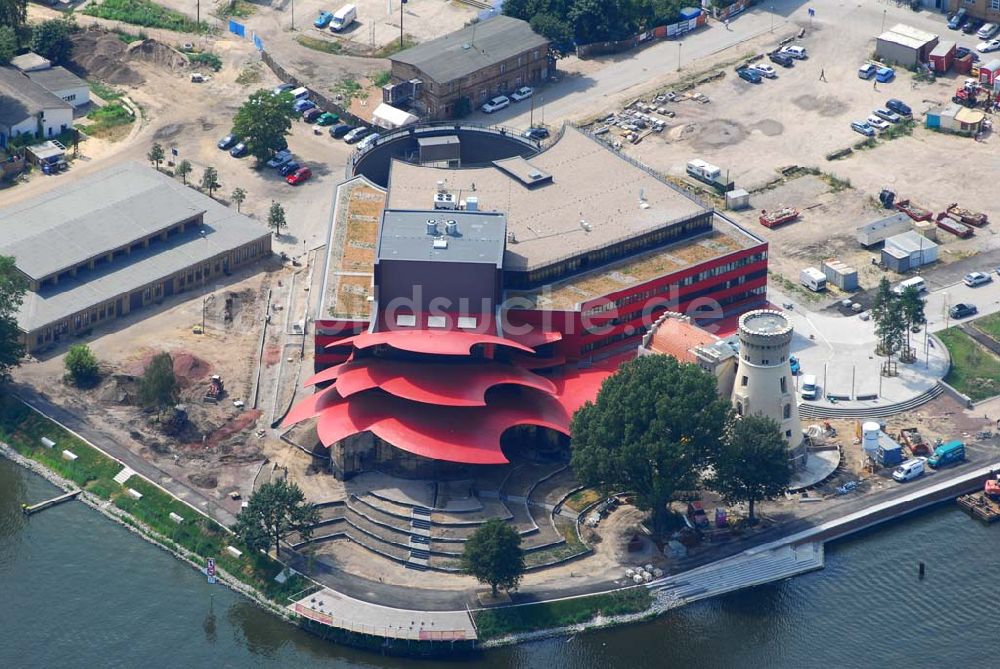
x=151 y=51
x=208 y=481
x=238 y=424
x=188 y=368
x=102 y=55
x=120 y=389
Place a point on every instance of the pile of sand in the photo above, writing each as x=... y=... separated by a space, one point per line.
x=103 y=55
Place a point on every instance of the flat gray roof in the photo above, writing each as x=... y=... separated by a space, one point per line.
x=20 y=97
x=224 y=230
x=590 y=182
x=56 y=79
x=522 y=170
x=472 y=48
x=105 y=211
x=437 y=141
x=30 y=61
x=480 y=239
x=885 y=222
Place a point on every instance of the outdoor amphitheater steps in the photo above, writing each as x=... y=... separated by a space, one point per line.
x=817 y=412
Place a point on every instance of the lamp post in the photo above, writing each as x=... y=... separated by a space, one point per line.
x=401 y=3
x=883 y=19
x=679 y=45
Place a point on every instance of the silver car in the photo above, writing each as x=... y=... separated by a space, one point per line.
x=973 y=279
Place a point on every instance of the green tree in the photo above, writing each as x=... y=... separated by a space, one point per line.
x=276 y=509
x=8 y=44
x=156 y=154
x=50 y=39
x=912 y=307
x=210 y=180
x=887 y=315
x=12 y=288
x=276 y=218
x=13 y=13
x=493 y=555
x=553 y=27
x=262 y=123
x=81 y=366
x=239 y=196
x=656 y=423
x=752 y=464
x=184 y=168
x=158 y=386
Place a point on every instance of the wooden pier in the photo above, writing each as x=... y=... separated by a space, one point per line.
x=980 y=507
x=41 y=506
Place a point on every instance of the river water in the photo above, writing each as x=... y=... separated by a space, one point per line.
x=77 y=590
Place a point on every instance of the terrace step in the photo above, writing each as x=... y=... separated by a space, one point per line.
x=814 y=411
x=124 y=475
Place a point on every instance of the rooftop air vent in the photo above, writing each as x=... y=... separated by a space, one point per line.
x=451 y=227
x=432 y=226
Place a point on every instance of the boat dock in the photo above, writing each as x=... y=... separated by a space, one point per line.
x=41 y=506
x=980 y=507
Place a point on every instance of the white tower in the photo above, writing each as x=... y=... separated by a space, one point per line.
x=764 y=382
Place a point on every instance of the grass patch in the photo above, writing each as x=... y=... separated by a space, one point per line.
x=793 y=288
x=512 y=620
x=579 y=500
x=989 y=324
x=349 y=89
x=235 y=9
x=316 y=44
x=207 y=58
x=974 y=370
x=109 y=121
x=145 y=13
x=250 y=74
x=128 y=38
x=897 y=130
x=835 y=183
x=105 y=92
x=382 y=78
x=395 y=47
x=22 y=429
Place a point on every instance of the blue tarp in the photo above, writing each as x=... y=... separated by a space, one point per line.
x=258 y=43
x=237 y=28
x=689 y=13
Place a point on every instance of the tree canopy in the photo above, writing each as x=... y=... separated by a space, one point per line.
x=156 y=154
x=13 y=13
x=50 y=39
x=184 y=168
x=8 y=44
x=276 y=509
x=890 y=323
x=655 y=424
x=210 y=180
x=158 y=386
x=752 y=464
x=587 y=21
x=493 y=555
x=262 y=123
x=81 y=365
x=276 y=218
x=12 y=288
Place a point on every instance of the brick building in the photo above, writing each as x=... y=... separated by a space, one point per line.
x=462 y=70
x=987 y=10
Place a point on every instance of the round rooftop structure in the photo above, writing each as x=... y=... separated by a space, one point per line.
x=473 y=146
x=764 y=322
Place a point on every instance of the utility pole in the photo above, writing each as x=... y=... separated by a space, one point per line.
x=679 y=45
x=883 y=19
x=401 y=3
x=772 y=18
x=531 y=116
x=197 y=13
x=293 y=14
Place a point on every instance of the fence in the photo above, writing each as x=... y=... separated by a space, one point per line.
x=320 y=99
x=672 y=31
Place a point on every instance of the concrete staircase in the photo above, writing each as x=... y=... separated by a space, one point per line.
x=815 y=411
x=740 y=571
x=420 y=538
x=124 y=475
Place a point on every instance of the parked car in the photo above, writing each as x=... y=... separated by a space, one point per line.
x=877 y=123
x=986 y=47
x=765 y=70
x=298 y=176
x=279 y=159
x=323 y=20
x=809 y=387
x=794 y=363
x=782 y=59
x=973 y=279
x=536 y=133
x=310 y=115
x=282 y=88
x=885 y=74
x=302 y=106
x=239 y=150
x=867 y=71
x=971 y=26
x=523 y=93
x=899 y=107
x=327 y=118
x=227 y=142
x=963 y=310
x=496 y=104
x=357 y=134
x=957 y=19
x=749 y=75
x=863 y=128
x=795 y=51
x=338 y=131
x=963 y=51
x=889 y=116
x=988 y=31
x=288 y=168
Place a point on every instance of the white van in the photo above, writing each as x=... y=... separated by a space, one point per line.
x=915 y=282
x=909 y=470
x=808 y=387
x=344 y=17
x=300 y=93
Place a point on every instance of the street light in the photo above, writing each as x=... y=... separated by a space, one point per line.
x=772 y=18
x=679 y=45
x=401 y=3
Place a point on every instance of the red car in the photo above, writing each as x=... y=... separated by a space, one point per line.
x=299 y=175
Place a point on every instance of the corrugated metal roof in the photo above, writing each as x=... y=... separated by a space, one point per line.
x=472 y=48
x=907 y=36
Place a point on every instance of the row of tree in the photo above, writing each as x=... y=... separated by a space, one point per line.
x=588 y=21
x=896 y=317
x=49 y=39
x=658 y=427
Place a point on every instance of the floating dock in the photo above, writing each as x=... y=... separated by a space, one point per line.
x=980 y=507
x=41 y=506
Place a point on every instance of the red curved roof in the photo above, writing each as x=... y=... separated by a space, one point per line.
x=439 y=342
x=456 y=383
x=469 y=435
x=534 y=337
